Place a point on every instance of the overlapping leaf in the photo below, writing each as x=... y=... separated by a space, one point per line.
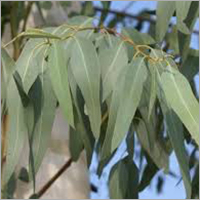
x=164 y=12
x=182 y=8
x=86 y=70
x=58 y=66
x=16 y=130
x=129 y=99
x=82 y=130
x=175 y=132
x=112 y=62
x=28 y=64
x=123 y=181
x=125 y=100
x=182 y=100
x=44 y=121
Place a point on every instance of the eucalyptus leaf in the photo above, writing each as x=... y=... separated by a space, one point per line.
x=175 y=132
x=44 y=121
x=182 y=8
x=16 y=131
x=182 y=100
x=86 y=70
x=164 y=12
x=82 y=122
x=29 y=64
x=112 y=62
x=129 y=99
x=183 y=39
x=58 y=66
x=123 y=181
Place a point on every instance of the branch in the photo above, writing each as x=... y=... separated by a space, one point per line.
x=123 y=14
x=52 y=180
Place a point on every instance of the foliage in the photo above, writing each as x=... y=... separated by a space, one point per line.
x=110 y=86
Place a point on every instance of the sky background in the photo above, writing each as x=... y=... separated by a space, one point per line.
x=170 y=189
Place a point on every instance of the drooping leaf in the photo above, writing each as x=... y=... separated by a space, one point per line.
x=180 y=97
x=164 y=12
x=58 y=66
x=44 y=121
x=190 y=67
x=83 y=129
x=113 y=110
x=149 y=172
x=86 y=70
x=182 y=8
x=175 y=132
x=138 y=37
x=183 y=39
x=129 y=99
x=9 y=190
x=8 y=65
x=16 y=130
x=152 y=100
x=112 y=62
x=123 y=181
x=29 y=63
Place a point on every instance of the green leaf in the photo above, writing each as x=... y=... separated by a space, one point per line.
x=75 y=143
x=8 y=65
x=138 y=37
x=180 y=97
x=112 y=62
x=82 y=124
x=153 y=88
x=123 y=181
x=182 y=8
x=30 y=62
x=113 y=110
x=125 y=100
x=58 y=66
x=172 y=40
x=16 y=130
x=147 y=130
x=164 y=12
x=190 y=67
x=129 y=99
x=175 y=132
x=184 y=40
x=44 y=120
x=86 y=70
x=149 y=172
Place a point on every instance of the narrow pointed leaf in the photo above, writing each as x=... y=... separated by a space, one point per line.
x=123 y=183
x=44 y=121
x=153 y=88
x=182 y=8
x=180 y=97
x=86 y=70
x=8 y=65
x=175 y=132
x=129 y=99
x=112 y=62
x=58 y=66
x=164 y=12
x=83 y=129
x=29 y=64
x=183 y=39
x=16 y=130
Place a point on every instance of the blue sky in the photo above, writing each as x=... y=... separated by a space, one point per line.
x=170 y=190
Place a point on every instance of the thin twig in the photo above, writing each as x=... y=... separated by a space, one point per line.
x=139 y=18
x=53 y=179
